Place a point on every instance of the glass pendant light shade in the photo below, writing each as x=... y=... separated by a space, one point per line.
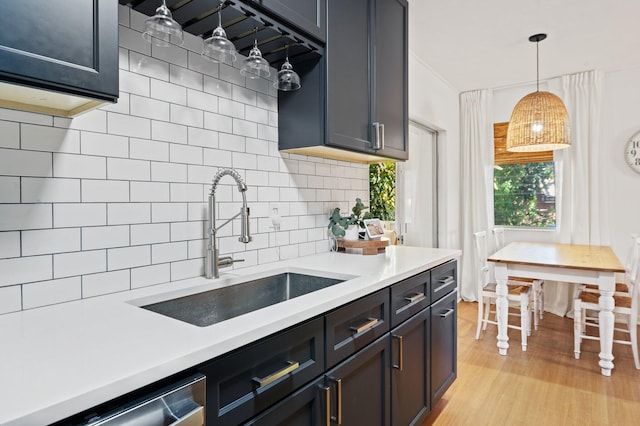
x=159 y=28
x=218 y=48
x=288 y=79
x=539 y=121
x=255 y=65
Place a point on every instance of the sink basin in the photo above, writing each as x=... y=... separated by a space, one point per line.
x=210 y=307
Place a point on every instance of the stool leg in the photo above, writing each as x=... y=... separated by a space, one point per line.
x=577 y=327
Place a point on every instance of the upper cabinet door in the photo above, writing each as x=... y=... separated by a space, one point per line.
x=391 y=76
x=348 y=74
x=308 y=15
x=70 y=46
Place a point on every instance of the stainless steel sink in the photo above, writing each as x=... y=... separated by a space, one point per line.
x=210 y=307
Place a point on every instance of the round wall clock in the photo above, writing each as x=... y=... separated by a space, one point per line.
x=632 y=152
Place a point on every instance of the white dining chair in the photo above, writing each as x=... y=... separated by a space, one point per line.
x=537 y=293
x=517 y=294
x=586 y=308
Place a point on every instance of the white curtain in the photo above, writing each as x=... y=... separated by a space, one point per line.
x=476 y=141
x=581 y=214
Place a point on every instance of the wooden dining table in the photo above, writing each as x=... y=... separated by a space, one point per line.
x=574 y=263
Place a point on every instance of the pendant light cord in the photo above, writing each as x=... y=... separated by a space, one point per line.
x=537 y=66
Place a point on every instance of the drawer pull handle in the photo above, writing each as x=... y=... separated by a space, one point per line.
x=446 y=280
x=327 y=404
x=398 y=366
x=371 y=322
x=414 y=298
x=338 y=416
x=292 y=366
x=447 y=313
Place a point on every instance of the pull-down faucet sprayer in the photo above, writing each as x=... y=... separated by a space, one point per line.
x=213 y=263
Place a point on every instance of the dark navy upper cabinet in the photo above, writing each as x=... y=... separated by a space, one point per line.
x=65 y=46
x=361 y=84
x=306 y=15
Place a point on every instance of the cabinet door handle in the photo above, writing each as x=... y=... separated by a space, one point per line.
x=414 y=298
x=338 y=416
x=447 y=313
x=260 y=382
x=327 y=404
x=376 y=136
x=382 y=144
x=398 y=366
x=446 y=280
x=371 y=322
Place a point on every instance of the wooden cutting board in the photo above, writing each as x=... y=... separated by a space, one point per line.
x=368 y=246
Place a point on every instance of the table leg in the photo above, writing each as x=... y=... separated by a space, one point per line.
x=502 y=306
x=606 y=321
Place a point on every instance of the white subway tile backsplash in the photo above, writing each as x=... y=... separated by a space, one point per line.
x=14 y=162
x=79 y=166
x=79 y=263
x=151 y=67
x=10 y=299
x=170 y=252
x=105 y=191
x=149 y=150
x=116 y=198
x=20 y=270
x=231 y=108
x=47 y=241
x=100 y=237
x=120 y=168
x=134 y=83
x=149 y=108
x=9 y=189
x=185 y=77
x=45 y=138
x=168 y=132
x=185 y=154
x=85 y=214
x=45 y=293
x=168 y=92
x=92 y=143
x=127 y=125
x=105 y=283
x=50 y=190
x=129 y=257
x=168 y=172
x=128 y=213
x=150 y=275
x=187 y=116
x=9 y=244
x=15 y=217
x=151 y=233
x=10 y=134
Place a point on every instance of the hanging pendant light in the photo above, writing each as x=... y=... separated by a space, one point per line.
x=161 y=27
x=218 y=48
x=539 y=121
x=255 y=66
x=288 y=79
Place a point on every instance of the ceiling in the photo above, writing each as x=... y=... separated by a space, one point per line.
x=476 y=44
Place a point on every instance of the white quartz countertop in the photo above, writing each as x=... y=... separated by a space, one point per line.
x=59 y=360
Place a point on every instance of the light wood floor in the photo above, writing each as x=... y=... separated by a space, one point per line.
x=543 y=386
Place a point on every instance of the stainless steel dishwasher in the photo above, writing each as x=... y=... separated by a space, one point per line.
x=181 y=403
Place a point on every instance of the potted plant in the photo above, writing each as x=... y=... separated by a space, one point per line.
x=348 y=227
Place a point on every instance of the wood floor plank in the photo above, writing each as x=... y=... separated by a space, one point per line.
x=544 y=385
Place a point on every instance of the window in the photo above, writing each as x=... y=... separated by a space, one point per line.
x=523 y=185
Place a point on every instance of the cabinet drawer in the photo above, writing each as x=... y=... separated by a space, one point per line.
x=444 y=279
x=408 y=297
x=245 y=382
x=351 y=327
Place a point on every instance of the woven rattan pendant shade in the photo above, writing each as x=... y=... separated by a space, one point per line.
x=539 y=121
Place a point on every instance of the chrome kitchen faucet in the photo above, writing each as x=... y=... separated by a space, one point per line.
x=213 y=263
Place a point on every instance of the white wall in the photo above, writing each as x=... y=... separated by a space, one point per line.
x=116 y=198
x=434 y=103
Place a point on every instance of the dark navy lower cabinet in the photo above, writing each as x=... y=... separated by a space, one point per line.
x=443 y=345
